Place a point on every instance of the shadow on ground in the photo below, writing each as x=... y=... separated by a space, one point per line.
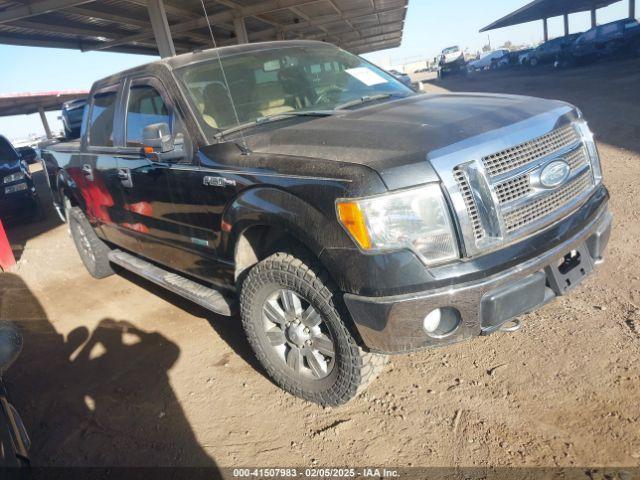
x=606 y=92
x=228 y=328
x=98 y=397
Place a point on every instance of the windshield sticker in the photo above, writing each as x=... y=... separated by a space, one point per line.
x=366 y=76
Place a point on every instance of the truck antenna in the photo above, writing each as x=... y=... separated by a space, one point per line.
x=245 y=148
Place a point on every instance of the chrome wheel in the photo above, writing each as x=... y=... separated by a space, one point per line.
x=296 y=331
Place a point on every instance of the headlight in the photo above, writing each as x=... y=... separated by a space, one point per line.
x=14 y=177
x=416 y=219
x=594 y=157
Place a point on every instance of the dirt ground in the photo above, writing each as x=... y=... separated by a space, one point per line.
x=118 y=372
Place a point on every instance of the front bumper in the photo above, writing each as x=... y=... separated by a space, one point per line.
x=395 y=324
x=18 y=205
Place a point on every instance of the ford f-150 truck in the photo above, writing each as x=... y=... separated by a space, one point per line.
x=348 y=217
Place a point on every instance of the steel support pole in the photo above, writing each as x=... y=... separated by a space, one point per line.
x=566 y=24
x=160 y=26
x=546 y=29
x=632 y=8
x=241 y=30
x=594 y=18
x=45 y=122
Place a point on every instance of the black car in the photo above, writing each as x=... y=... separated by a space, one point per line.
x=348 y=216
x=549 y=51
x=609 y=40
x=28 y=154
x=72 y=112
x=18 y=197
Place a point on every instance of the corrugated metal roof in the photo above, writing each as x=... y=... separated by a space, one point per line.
x=123 y=25
x=541 y=9
x=26 y=103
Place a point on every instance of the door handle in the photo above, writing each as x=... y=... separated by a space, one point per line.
x=87 y=171
x=124 y=175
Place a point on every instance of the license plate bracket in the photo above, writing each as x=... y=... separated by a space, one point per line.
x=570 y=270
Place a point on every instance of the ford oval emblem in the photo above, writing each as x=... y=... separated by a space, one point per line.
x=555 y=174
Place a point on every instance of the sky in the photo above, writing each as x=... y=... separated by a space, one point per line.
x=431 y=25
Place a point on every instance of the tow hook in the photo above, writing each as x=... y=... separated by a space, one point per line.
x=511 y=326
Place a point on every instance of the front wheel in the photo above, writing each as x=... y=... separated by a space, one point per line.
x=297 y=327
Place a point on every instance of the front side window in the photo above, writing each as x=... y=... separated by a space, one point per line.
x=145 y=107
x=259 y=84
x=101 y=123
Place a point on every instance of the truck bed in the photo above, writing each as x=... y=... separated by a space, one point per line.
x=68 y=146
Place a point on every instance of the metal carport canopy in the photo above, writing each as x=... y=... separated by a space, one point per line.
x=40 y=102
x=125 y=26
x=541 y=9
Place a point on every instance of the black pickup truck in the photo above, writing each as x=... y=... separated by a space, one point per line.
x=351 y=217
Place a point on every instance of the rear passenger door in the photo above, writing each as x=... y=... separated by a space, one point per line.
x=95 y=169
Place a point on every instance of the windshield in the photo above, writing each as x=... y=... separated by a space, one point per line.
x=281 y=81
x=449 y=50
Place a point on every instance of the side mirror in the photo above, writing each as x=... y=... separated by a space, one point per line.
x=158 y=137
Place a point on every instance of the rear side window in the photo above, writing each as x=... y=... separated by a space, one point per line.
x=102 y=113
x=7 y=153
x=145 y=107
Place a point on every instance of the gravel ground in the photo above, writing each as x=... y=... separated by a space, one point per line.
x=117 y=372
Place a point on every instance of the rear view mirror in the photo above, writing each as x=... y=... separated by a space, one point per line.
x=157 y=137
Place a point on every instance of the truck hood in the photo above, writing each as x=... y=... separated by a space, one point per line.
x=394 y=138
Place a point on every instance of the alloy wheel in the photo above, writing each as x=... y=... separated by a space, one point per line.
x=298 y=335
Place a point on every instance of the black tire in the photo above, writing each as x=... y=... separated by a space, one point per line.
x=93 y=251
x=352 y=368
x=533 y=62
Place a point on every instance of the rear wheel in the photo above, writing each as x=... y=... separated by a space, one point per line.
x=296 y=325
x=93 y=251
x=533 y=62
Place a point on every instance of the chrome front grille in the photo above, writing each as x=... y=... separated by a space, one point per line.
x=501 y=197
x=513 y=189
x=470 y=202
x=515 y=157
x=532 y=212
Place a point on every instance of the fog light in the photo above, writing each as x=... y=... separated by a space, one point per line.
x=441 y=322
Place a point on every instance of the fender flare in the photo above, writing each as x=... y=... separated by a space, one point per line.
x=65 y=183
x=274 y=207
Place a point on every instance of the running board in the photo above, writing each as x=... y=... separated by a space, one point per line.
x=204 y=296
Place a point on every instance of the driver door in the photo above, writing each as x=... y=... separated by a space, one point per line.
x=156 y=193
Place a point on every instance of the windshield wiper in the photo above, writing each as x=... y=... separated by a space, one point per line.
x=274 y=118
x=363 y=100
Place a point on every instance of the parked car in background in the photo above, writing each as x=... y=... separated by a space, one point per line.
x=18 y=197
x=72 y=112
x=548 y=52
x=28 y=154
x=351 y=217
x=490 y=61
x=609 y=40
x=452 y=61
x=403 y=77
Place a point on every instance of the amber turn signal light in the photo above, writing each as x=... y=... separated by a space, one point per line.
x=351 y=216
